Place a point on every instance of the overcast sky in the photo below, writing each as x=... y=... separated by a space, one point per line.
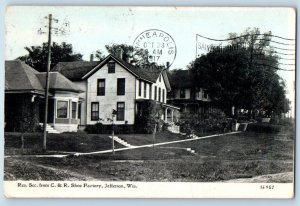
x=91 y=28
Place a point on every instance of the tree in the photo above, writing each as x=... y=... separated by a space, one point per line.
x=37 y=55
x=126 y=52
x=243 y=74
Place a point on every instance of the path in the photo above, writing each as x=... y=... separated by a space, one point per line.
x=126 y=148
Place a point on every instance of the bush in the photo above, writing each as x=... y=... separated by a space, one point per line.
x=264 y=128
x=100 y=128
x=214 y=122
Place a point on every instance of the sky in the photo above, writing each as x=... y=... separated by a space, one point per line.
x=91 y=28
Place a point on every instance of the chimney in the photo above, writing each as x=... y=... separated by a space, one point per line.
x=91 y=57
x=168 y=65
x=121 y=53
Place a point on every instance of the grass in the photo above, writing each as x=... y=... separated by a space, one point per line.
x=142 y=139
x=65 y=142
x=219 y=158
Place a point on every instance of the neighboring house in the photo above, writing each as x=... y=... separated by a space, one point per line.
x=186 y=96
x=116 y=85
x=24 y=99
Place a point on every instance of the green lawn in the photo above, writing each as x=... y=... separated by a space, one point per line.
x=219 y=158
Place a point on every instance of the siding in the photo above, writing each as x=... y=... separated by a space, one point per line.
x=109 y=102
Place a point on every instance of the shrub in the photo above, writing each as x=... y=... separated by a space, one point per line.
x=264 y=128
x=147 y=117
x=100 y=128
x=213 y=122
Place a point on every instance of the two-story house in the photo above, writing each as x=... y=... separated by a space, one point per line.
x=185 y=95
x=116 y=86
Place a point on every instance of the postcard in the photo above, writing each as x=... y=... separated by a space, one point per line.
x=149 y=102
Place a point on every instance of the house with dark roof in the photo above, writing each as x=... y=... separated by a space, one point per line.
x=114 y=86
x=185 y=95
x=24 y=99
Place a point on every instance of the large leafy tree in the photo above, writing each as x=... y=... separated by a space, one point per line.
x=37 y=55
x=242 y=74
x=126 y=52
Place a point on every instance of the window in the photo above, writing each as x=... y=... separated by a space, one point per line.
x=101 y=87
x=159 y=94
x=62 y=109
x=121 y=86
x=155 y=93
x=150 y=91
x=182 y=93
x=95 y=111
x=140 y=88
x=145 y=89
x=163 y=95
x=79 y=110
x=120 y=111
x=159 y=78
x=111 y=67
x=74 y=107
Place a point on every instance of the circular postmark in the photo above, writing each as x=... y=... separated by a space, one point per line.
x=160 y=45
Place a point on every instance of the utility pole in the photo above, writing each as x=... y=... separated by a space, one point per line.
x=47 y=84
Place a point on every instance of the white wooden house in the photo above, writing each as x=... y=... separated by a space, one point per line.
x=114 y=84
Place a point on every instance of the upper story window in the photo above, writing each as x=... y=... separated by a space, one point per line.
x=155 y=93
x=111 y=67
x=163 y=95
x=140 y=88
x=159 y=78
x=182 y=93
x=145 y=89
x=150 y=91
x=121 y=86
x=62 y=109
x=101 y=87
x=159 y=94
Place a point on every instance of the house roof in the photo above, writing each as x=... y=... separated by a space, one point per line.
x=81 y=70
x=19 y=77
x=180 y=78
x=150 y=73
x=58 y=82
x=75 y=70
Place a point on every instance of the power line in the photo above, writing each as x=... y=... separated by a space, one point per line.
x=242 y=36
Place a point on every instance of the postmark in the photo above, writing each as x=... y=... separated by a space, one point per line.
x=160 y=45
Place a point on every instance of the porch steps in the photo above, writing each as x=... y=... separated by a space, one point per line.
x=50 y=129
x=122 y=142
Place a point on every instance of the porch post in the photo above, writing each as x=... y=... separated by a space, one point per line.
x=166 y=114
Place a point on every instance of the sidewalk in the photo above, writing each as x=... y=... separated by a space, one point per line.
x=126 y=148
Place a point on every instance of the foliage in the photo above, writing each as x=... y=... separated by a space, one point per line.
x=214 y=122
x=100 y=128
x=37 y=55
x=126 y=52
x=147 y=117
x=22 y=115
x=245 y=77
x=264 y=128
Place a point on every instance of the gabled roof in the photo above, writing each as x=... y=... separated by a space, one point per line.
x=150 y=73
x=21 y=77
x=75 y=70
x=58 y=82
x=180 y=78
